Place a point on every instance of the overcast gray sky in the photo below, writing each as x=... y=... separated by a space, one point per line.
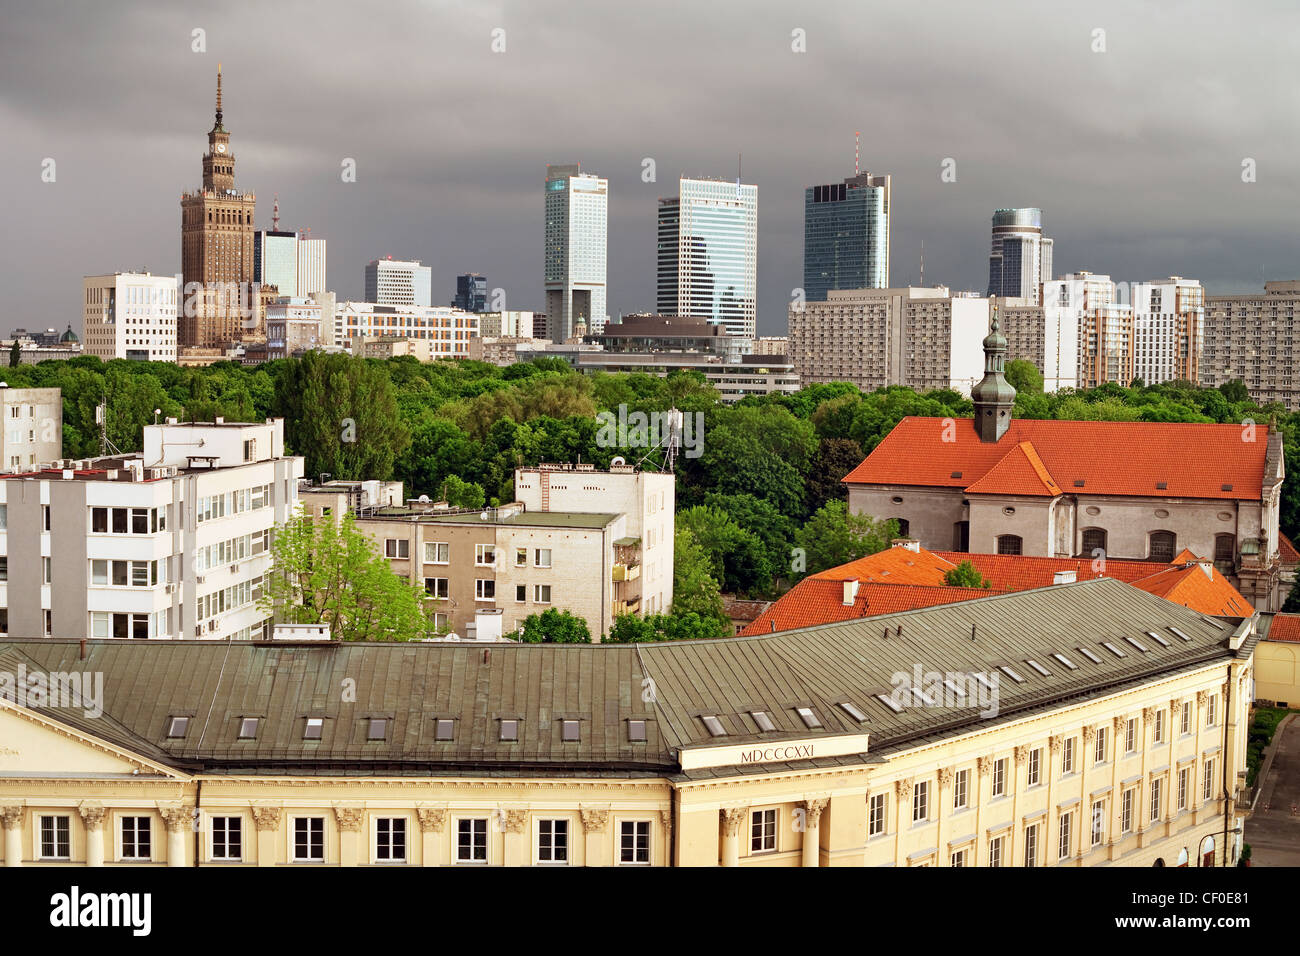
x=1135 y=154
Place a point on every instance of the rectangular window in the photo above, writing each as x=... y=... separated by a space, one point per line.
x=876 y=814
x=119 y=521
x=1187 y=717
x=437 y=587
x=959 y=858
x=1101 y=745
x=762 y=831
x=634 y=841
x=99 y=520
x=1208 y=793
x=472 y=841
x=309 y=839
x=995 y=852
x=1126 y=811
x=960 y=789
x=56 y=842
x=1184 y=784
x=227 y=838
x=437 y=552
x=921 y=802
x=1098 y=822
x=1035 y=766
x=397 y=548
x=1159 y=732
x=390 y=839
x=136 y=838
x=1209 y=709
x=553 y=841
x=541 y=557
x=485 y=589
x=1063 y=841
x=1155 y=799
x=1031 y=845
x=542 y=593
x=1067 y=756
x=1130 y=735
x=521 y=557
x=1000 y=777
x=521 y=593
x=485 y=555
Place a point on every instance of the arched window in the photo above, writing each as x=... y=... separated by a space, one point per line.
x=1009 y=544
x=1182 y=857
x=1163 y=546
x=1207 y=851
x=904 y=527
x=1094 y=539
x=1160 y=861
x=1225 y=548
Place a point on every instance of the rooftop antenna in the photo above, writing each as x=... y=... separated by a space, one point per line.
x=101 y=419
x=275 y=216
x=857 y=152
x=739 y=162
x=922 y=263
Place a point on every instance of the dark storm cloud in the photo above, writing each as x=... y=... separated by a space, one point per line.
x=1134 y=154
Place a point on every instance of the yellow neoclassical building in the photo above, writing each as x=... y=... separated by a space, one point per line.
x=1078 y=725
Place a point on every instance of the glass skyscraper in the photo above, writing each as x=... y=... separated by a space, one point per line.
x=1020 y=258
x=471 y=292
x=708 y=254
x=846 y=236
x=275 y=260
x=577 y=211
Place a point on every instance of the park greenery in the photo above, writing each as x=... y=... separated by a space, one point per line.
x=762 y=504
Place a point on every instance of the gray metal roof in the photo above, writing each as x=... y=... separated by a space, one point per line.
x=669 y=684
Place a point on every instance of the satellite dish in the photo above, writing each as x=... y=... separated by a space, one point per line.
x=617 y=460
x=424 y=499
x=483 y=516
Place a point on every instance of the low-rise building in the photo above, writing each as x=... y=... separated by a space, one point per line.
x=448 y=330
x=31 y=427
x=392 y=346
x=168 y=543
x=130 y=315
x=833 y=746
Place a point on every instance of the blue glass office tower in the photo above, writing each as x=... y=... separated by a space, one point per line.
x=1020 y=258
x=471 y=292
x=846 y=236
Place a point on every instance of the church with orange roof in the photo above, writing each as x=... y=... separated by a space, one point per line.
x=1140 y=491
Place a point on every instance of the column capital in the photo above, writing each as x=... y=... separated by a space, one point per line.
x=513 y=821
x=732 y=817
x=11 y=816
x=945 y=776
x=812 y=810
x=1201 y=697
x=903 y=789
x=983 y=765
x=1054 y=743
x=593 y=820
x=267 y=818
x=666 y=820
x=178 y=818
x=1118 y=724
x=1148 y=715
x=92 y=814
x=348 y=816
x=432 y=819
x=1089 y=734
x=1022 y=754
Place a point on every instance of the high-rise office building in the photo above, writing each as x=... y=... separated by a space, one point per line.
x=1021 y=256
x=130 y=315
x=311 y=266
x=846 y=236
x=708 y=253
x=216 y=249
x=275 y=260
x=577 y=213
x=398 y=282
x=471 y=292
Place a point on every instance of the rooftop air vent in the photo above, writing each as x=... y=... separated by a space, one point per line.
x=1078 y=482
x=956 y=474
x=1162 y=485
x=1226 y=486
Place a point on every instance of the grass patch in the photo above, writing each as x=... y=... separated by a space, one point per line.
x=1261 y=733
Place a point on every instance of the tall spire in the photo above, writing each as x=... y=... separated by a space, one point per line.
x=275 y=216
x=218 y=96
x=994 y=397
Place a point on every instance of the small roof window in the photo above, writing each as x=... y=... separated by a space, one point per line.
x=1011 y=672
x=444 y=728
x=1090 y=655
x=248 y=728
x=377 y=728
x=1066 y=661
x=636 y=731
x=763 y=721
x=853 y=711
x=178 y=727
x=1039 y=667
x=1113 y=649
x=1157 y=638
x=510 y=729
x=809 y=718
x=570 y=731
x=888 y=701
x=314 y=729
x=713 y=725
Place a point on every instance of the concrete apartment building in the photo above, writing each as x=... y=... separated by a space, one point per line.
x=1101 y=490
x=130 y=315
x=393 y=346
x=170 y=543
x=597 y=544
x=32 y=429
x=923 y=338
x=1099 y=751
x=1252 y=338
x=505 y=324
x=293 y=326
x=448 y=330
x=399 y=282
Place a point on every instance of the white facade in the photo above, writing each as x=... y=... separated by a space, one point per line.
x=311 y=267
x=1169 y=328
x=31 y=427
x=577 y=213
x=448 y=330
x=646 y=498
x=399 y=282
x=506 y=325
x=130 y=315
x=170 y=544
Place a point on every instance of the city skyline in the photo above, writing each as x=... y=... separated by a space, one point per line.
x=1170 y=160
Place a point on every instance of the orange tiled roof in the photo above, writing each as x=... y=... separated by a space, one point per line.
x=1286 y=627
x=1287 y=550
x=896 y=565
x=820 y=600
x=1199 y=586
x=1016 y=572
x=1019 y=472
x=1111 y=458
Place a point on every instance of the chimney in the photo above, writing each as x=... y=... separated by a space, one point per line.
x=1065 y=577
x=850 y=593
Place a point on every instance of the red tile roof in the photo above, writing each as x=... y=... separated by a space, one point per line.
x=1110 y=458
x=1287 y=550
x=1286 y=628
x=821 y=601
x=1198 y=586
x=1015 y=572
x=1019 y=472
x=896 y=565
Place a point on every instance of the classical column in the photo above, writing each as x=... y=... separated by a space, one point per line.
x=180 y=822
x=1088 y=738
x=945 y=787
x=902 y=796
x=12 y=818
x=732 y=818
x=666 y=824
x=92 y=815
x=812 y=815
x=349 y=817
x=1021 y=754
x=514 y=822
x=433 y=844
x=983 y=765
x=1200 y=808
x=595 y=822
x=267 y=821
x=1117 y=798
x=1053 y=816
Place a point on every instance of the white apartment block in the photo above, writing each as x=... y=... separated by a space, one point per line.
x=1048 y=336
x=1169 y=329
x=1252 y=338
x=399 y=282
x=171 y=543
x=32 y=432
x=647 y=498
x=506 y=325
x=311 y=267
x=130 y=315
x=448 y=330
x=924 y=338
x=293 y=325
